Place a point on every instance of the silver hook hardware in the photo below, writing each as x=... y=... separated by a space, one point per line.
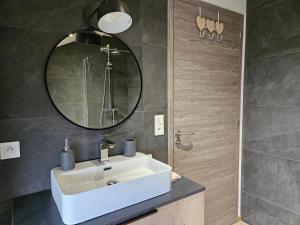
x=202 y=34
x=220 y=37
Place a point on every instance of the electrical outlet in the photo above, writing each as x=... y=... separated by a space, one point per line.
x=10 y=150
x=159 y=125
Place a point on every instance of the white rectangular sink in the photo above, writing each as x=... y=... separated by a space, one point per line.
x=84 y=192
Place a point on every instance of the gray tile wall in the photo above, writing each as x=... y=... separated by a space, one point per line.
x=28 y=31
x=271 y=141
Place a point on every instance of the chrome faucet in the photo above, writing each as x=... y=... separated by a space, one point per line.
x=105 y=145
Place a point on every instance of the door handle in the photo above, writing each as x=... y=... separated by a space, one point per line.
x=178 y=134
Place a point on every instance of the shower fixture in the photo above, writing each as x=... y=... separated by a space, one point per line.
x=112 y=51
x=112 y=16
x=115 y=52
x=108 y=105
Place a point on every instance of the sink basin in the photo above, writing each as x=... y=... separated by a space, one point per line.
x=93 y=189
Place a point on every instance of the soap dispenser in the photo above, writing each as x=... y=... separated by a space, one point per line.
x=67 y=157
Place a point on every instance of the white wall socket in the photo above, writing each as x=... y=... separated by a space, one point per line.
x=159 y=128
x=10 y=150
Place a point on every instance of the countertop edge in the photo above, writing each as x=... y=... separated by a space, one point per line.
x=41 y=206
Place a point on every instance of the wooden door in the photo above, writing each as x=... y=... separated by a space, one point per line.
x=204 y=98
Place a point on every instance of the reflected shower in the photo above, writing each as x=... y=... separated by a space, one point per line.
x=108 y=105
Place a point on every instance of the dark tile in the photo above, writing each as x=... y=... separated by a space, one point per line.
x=249 y=208
x=133 y=95
x=258 y=211
x=67 y=91
x=272 y=130
x=153 y=100
x=273 y=81
x=283 y=145
x=138 y=53
x=132 y=128
x=271 y=156
x=273 y=30
x=154 y=66
x=135 y=81
x=52 y=16
x=75 y=112
x=155 y=79
x=134 y=34
x=22 y=84
x=155 y=23
x=41 y=140
x=272 y=178
x=256 y=4
x=156 y=145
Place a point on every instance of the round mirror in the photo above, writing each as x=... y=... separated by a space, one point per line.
x=94 y=79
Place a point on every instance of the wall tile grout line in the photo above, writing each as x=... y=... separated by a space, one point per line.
x=271 y=155
x=272 y=106
x=256 y=196
x=272 y=55
x=275 y=134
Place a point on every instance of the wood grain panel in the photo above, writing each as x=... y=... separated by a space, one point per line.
x=204 y=97
x=189 y=211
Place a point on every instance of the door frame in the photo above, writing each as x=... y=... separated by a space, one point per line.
x=170 y=87
x=170 y=81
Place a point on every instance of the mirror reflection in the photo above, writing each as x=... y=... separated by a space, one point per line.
x=94 y=79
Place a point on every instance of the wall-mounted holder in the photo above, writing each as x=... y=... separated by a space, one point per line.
x=211 y=27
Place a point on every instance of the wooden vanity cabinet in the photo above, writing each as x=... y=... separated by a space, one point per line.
x=187 y=211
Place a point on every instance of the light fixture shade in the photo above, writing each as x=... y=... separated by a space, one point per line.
x=113 y=16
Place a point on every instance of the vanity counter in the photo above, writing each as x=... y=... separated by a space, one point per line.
x=39 y=208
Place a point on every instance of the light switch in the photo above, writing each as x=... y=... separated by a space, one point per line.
x=10 y=150
x=159 y=125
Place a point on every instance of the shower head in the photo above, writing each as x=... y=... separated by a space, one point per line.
x=112 y=51
x=88 y=37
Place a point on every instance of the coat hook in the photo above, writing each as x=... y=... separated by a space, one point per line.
x=219 y=28
x=200 y=22
x=202 y=34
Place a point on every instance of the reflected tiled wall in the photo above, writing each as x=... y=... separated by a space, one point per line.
x=271 y=142
x=79 y=95
x=28 y=31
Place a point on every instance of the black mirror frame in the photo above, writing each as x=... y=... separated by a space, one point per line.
x=88 y=128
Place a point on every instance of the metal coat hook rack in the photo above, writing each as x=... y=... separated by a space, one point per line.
x=211 y=27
